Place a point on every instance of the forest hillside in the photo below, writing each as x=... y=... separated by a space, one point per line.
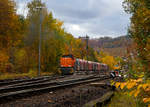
x=113 y=46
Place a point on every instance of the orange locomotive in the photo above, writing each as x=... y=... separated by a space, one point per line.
x=67 y=63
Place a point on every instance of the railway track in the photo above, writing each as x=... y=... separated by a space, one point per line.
x=41 y=85
x=13 y=82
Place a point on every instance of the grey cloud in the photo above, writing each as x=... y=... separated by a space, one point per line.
x=96 y=17
x=74 y=10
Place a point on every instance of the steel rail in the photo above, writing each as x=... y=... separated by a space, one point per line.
x=37 y=84
x=50 y=86
x=15 y=82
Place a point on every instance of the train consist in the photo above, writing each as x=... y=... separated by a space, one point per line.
x=69 y=65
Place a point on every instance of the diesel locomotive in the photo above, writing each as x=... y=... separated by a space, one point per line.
x=69 y=65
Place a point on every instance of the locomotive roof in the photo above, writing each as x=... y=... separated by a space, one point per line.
x=69 y=55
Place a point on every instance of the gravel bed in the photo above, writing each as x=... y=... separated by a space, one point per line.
x=75 y=96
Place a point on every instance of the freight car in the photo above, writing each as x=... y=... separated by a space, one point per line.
x=69 y=65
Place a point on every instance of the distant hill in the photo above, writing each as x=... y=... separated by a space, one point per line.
x=113 y=46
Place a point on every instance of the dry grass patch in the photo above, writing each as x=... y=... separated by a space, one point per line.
x=123 y=100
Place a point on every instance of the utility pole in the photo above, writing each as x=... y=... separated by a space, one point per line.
x=87 y=47
x=40 y=37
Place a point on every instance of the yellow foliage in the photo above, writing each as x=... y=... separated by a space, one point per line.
x=112 y=82
x=148 y=88
x=110 y=61
x=131 y=84
x=122 y=85
x=3 y=61
x=139 y=80
x=142 y=75
x=139 y=9
x=117 y=67
x=145 y=86
x=20 y=55
x=139 y=86
x=117 y=84
x=132 y=92
x=59 y=24
x=3 y=57
x=145 y=100
x=136 y=93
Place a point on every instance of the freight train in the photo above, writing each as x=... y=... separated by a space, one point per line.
x=69 y=65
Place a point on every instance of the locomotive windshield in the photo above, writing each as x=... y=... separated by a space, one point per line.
x=68 y=56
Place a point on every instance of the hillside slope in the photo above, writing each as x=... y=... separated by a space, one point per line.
x=113 y=46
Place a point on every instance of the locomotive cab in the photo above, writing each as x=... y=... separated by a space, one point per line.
x=67 y=63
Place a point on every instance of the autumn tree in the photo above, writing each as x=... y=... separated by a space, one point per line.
x=7 y=17
x=110 y=61
x=10 y=31
x=52 y=43
x=139 y=29
x=138 y=83
x=19 y=39
x=52 y=33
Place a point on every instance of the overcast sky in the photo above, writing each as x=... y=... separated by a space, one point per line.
x=96 y=18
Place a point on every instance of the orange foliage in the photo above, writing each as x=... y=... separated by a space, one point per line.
x=3 y=61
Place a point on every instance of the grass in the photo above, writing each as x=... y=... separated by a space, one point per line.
x=12 y=75
x=30 y=74
x=123 y=100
